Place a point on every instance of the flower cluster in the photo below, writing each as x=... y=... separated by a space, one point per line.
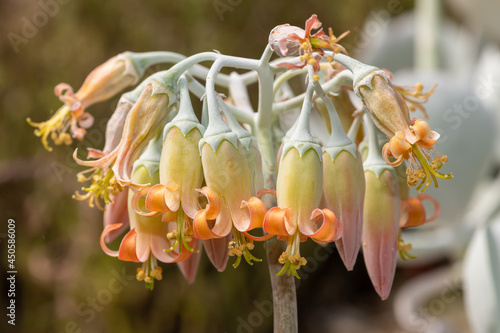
x=174 y=180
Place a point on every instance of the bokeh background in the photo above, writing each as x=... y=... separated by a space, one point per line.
x=64 y=282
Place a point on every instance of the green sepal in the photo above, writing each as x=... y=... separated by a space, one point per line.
x=379 y=168
x=216 y=139
x=334 y=151
x=302 y=147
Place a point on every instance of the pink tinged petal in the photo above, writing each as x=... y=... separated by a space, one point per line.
x=344 y=194
x=288 y=65
x=115 y=125
x=172 y=196
x=104 y=234
x=107 y=80
x=159 y=243
x=95 y=153
x=312 y=23
x=189 y=267
x=217 y=251
x=143 y=241
x=116 y=212
x=189 y=202
x=381 y=216
x=285 y=40
x=142 y=124
x=86 y=120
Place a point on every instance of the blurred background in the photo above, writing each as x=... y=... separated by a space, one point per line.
x=66 y=284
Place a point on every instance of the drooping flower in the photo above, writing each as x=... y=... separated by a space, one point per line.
x=288 y=37
x=381 y=217
x=112 y=171
x=228 y=191
x=297 y=216
x=410 y=140
x=101 y=84
x=343 y=190
x=181 y=174
x=147 y=238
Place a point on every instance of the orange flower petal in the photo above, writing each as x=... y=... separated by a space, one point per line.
x=155 y=200
x=437 y=206
x=276 y=221
x=104 y=233
x=421 y=129
x=386 y=153
x=330 y=229
x=135 y=203
x=127 y=250
x=213 y=206
x=416 y=213
x=398 y=145
x=203 y=225
x=250 y=215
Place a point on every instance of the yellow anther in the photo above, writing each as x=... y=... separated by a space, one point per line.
x=231 y=244
x=148 y=279
x=419 y=87
x=250 y=246
x=330 y=59
x=304 y=45
x=316 y=78
x=140 y=274
x=81 y=178
x=283 y=258
x=411 y=107
x=311 y=61
x=173 y=235
x=156 y=273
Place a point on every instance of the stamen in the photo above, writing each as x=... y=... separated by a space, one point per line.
x=100 y=189
x=182 y=235
x=291 y=259
x=404 y=248
x=240 y=246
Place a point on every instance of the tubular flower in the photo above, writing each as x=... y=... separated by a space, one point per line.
x=410 y=140
x=299 y=190
x=112 y=171
x=229 y=193
x=343 y=191
x=147 y=239
x=381 y=215
x=309 y=43
x=180 y=175
x=101 y=84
